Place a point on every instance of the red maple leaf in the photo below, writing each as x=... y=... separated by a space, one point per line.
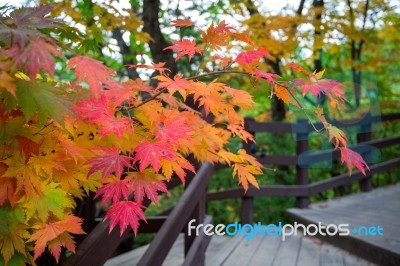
x=109 y=161
x=330 y=88
x=185 y=47
x=172 y=128
x=27 y=146
x=269 y=77
x=125 y=213
x=94 y=110
x=143 y=185
x=151 y=154
x=93 y=72
x=118 y=126
x=250 y=57
x=115 y=190
x=182 y=23
x=37 y=55
x=352 y=158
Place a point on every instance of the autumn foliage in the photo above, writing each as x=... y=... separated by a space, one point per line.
x=60 y=140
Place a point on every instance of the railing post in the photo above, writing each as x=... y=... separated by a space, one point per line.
x=301 y=173
x=246 y=213
x=365 y=135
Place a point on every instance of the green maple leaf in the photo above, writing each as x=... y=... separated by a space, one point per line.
x=52 y=200
x=40 y=98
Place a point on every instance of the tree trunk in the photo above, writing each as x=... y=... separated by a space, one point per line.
x=151 y=25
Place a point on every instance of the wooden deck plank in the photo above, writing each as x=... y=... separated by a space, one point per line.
x=244 y=251
x=288 y=251
x=331 y=256
x=310 y=252
x=378 y=207
x=266 y=252
x=221 y=253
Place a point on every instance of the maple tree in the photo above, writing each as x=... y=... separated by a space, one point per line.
x=61 y=139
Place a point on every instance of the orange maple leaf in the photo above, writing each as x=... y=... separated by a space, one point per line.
x=46 y=233
x=182 y=23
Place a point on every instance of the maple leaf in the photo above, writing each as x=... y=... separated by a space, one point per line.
x=176 y=165
x=225 y=61
x=156 y=66
x=298 y=68
x=34 y=17
x=94 y=110
x=182 y=23
x=172 y=128
x=52 y=199
x=7 y=83
x=244 y=37
x=114 y=190
x=13 y=234
x=38 y=55
x=239 y=130
x=251 y=57
x=146 y=183
x=43 y=100
x=246 y=174
x=337 y=135
x=27 y=146
x=269 y=77
x=352 y=158
x=46 y=233
x=216 y=36
x=118 y=126
x=8 y=190
x=179 y=83
x=240 y=98
x=109 y=161
x=72 y=149
x=185 y=47
x=151 y=154
x=282 y=93
x=125 y=213
x=93 y=72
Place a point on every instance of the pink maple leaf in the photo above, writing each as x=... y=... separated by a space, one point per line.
x=109 y=161
x=146 y=186
x=352 y=158
x=93 y=72
x=250 y=57
x=151 y=154
x=125 y=213
x=114 y=190
x=269 y=77
x=185 y=47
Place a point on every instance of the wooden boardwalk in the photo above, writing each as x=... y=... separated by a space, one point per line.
x=263 y=251
x=379 y=207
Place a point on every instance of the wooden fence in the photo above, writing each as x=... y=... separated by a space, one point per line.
x=99 y=245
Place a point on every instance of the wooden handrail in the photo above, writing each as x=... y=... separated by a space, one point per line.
x=162 y=243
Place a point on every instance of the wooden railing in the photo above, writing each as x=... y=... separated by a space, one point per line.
x=303 y=158
x=99 y=245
